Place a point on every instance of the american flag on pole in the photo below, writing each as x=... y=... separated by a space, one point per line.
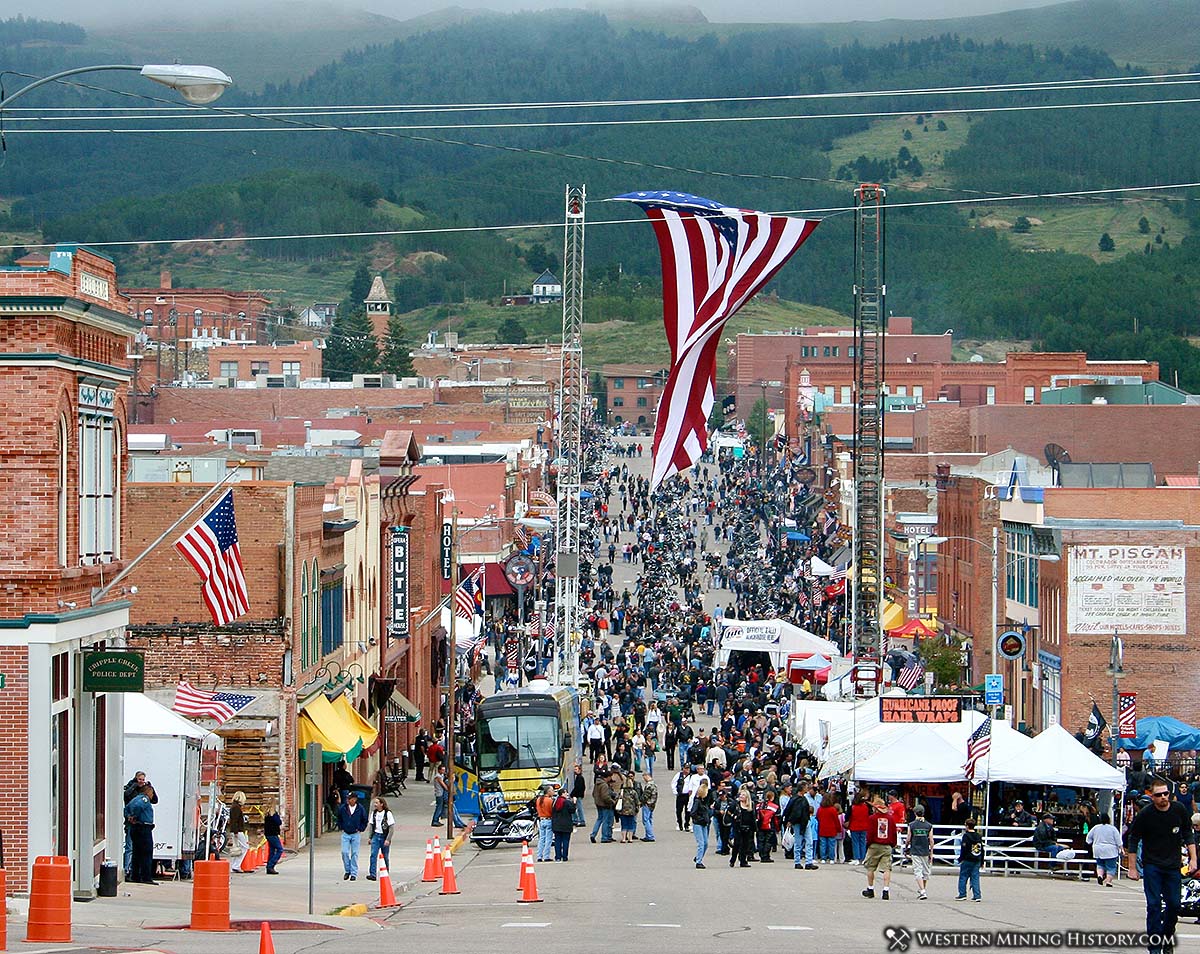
x=211 y=547
x=1127 y=716
x=911 y=675
x=978 y=746
x=465 y=606
x=198 y=703
x=714 y=259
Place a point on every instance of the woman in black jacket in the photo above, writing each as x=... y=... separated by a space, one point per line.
x=562 y=823
x=743 y=829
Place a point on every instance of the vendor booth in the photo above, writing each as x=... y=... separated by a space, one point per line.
x=775 y=637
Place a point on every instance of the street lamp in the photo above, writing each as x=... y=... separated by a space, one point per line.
x=199 y=85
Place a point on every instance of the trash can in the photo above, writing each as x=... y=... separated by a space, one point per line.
x=108 y=880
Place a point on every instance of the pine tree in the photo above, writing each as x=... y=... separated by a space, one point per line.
x=351 y=348
x=396 y=358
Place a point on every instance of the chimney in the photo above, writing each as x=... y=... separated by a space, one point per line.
x=164 y=278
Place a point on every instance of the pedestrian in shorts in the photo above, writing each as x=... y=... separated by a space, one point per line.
x=881 y=839
x=920 y=850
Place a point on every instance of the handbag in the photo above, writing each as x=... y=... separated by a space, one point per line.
x=618 y=806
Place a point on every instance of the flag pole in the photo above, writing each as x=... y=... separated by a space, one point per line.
x=99 y=592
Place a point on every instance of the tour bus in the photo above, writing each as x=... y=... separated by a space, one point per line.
x=523 y=739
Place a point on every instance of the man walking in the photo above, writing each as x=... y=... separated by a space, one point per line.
x=352 y=822
x=604 y=799
x=881 y=839
x=679 y=785
x=797 y=816
x=578 y=790
x=970 y=860
x=648 y=798
x=920 y=850
x=1161 y=829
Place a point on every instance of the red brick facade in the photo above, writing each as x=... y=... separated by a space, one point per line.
x=301 y=360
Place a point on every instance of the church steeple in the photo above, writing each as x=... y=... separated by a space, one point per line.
x=377 y=300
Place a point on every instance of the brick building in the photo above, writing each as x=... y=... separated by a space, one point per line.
x=296 y=361
x=490 y=362
x=1150 y=538
x=632 y=393
x=64 y=333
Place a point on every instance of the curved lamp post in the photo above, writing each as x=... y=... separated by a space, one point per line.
x=199 y=85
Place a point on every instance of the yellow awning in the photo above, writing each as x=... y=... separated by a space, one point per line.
x=367 y=732
x=893 y=615
x=339 y=737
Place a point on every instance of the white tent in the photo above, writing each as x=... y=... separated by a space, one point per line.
x=914 y=753
x=808 y=716
x=776 y=637
x=144 y=716
x=1055 y=757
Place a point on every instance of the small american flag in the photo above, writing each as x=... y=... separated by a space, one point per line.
x=978 y=746
x=714 y=259
x=1127 y=716
x=197 y=703
x=911 y=675
x=211 y=547
x=465 y=606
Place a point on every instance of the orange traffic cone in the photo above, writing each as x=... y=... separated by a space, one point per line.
x=247 y=860
x=526 y=858
x=529 y=894
x=387 y=897
x=449 y=882
x=430 y=872
x=438 y=863
x=265 y=944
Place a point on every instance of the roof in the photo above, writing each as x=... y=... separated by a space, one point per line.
x=629 y=371
x=547 y=278
x=378 y=291
x=1182 y=480
x=475 y=486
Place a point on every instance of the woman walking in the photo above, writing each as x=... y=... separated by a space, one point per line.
x=627 y=809
x=562 y=824
x=237 y=828
x=380 y=826
x=272 y=827
x=700 y=810
x=743 y=829
x=829 y=826
x=859 y=822
x=1106 y=849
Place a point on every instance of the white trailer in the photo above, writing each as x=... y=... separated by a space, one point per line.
x=166 y=747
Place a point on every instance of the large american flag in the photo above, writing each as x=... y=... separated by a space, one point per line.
x=465 y=605
x=911 y=675
x=211 y=547
x=198 y=703
x=714 y=259
x=978 y=746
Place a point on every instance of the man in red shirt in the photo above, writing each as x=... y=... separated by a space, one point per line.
x=896 y=809
x=881 y=839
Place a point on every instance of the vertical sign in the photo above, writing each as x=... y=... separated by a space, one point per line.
x=993 y=689
x=400 y=581
x=1127 y=716
x=447 y=547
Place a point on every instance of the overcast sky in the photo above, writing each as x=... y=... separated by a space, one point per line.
x=95 y=12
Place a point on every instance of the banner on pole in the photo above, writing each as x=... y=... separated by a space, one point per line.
x=1127 y=715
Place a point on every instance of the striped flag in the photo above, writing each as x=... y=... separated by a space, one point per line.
x=911 y=675
x=465 y=606
x=978 y=746
x=714 y=259
x=1127 y=716
x=198 y=703
x=211 y=547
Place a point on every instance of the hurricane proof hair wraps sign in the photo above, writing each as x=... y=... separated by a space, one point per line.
x=1127 y=589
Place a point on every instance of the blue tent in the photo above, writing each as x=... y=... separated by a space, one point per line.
x=1179 y=735
x=797 y=536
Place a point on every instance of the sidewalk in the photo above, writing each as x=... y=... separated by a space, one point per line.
x=257 y=896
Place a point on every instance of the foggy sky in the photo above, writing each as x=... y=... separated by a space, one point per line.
x=93 y=13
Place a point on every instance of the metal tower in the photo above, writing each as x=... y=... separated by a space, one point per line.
x=572 y=395
x=869 y=291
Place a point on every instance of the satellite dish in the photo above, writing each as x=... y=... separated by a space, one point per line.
x=1056 y=454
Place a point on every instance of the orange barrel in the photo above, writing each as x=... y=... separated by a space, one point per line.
x=210 y=896
x=50 y=900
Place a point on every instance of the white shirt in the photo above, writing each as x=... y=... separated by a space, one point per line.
x=693 y=783
x=379 y=819
x=715 y=754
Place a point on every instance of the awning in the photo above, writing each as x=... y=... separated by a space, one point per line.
x=495 y=583
x=367 y=732
x=320 y=722
x=401 y=709
x=893 y=615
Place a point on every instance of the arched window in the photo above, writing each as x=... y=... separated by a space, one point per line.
x=314 y=629
x=63 y=452
x=304 y=661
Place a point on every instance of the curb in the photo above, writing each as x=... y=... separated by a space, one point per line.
x=460 y=839
x=351 y=911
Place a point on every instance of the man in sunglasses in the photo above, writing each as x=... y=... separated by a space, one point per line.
x=1161 y=829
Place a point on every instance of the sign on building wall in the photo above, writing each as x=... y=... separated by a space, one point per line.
x=399 y=581
x=1127 y=589
x=109 y=670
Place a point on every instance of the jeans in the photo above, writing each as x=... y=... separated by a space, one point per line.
x=649 y=762
x=579 y=819
x=274 y=852
x=379 y=845
x=828 y=848
x=545 y=839
x=969 y=871
x=700 y=833
x=722 y=838
x=799 y=845
x=1162 y=887
x=562 y=845
x=350 y=853
x=439 y=806
x=710 y=703
x=128 y=852
x=604 y=824
x=648 y=822
x=858 y=844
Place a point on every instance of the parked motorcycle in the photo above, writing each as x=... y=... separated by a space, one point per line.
x=507 y=827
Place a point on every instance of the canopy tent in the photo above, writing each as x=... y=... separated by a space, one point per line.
x=815 y=661
x=818 y=567
x=1178 y=735
x=776 y=637
x=893 y=615
x=795 y=536
x=807 y=716
x=1055 y=757
x=320 y=722
x=144 y=716
x=914 y=627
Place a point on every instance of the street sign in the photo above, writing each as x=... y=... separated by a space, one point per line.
x=993 y=689
x=1011 y=645
x=313 y=755
x=447 y=549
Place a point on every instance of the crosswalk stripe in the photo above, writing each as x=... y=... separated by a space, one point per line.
x=533 y=924
x=787 y=927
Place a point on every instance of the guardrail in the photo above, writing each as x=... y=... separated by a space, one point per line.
x=1008 y=850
